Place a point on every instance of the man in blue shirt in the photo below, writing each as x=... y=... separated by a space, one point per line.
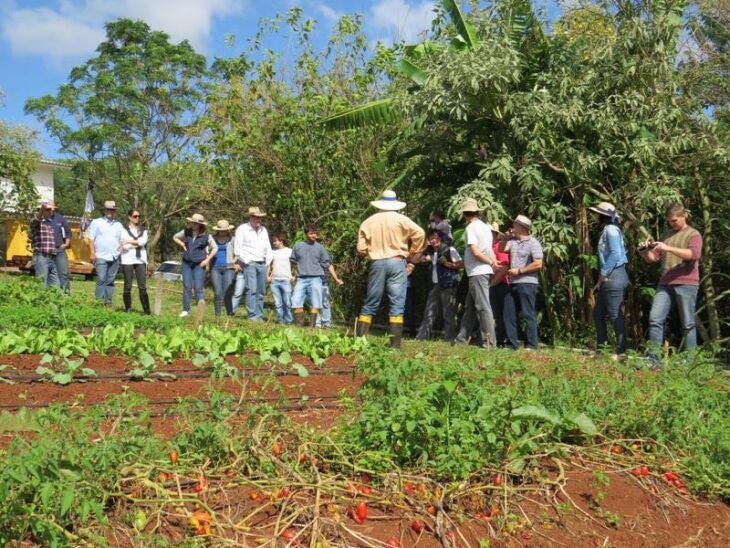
x=105 y=239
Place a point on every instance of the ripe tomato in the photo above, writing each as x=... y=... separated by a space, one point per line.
x=392 y=542
x=361 y=510
x=173 y=456
x=163 y=477
x=353 y=515
x=276 y=449
x=283 y=492
x=616 y=449
x=408 y=488
x=417 y=525
x=364 y=489
x=497 y=480
x=288 y=535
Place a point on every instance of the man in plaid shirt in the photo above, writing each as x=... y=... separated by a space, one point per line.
x=44 y=246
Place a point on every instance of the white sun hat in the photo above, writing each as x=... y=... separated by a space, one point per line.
x=388 y=202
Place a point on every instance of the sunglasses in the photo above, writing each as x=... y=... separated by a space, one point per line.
x=133 y=216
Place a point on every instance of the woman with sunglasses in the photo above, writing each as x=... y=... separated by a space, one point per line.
x=134 y=260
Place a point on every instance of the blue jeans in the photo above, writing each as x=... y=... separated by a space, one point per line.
x=222 y=279
x=255 y=275
x=308 y=286
x=686 y=298
x=62 y=269
x=45 y=269
x=106 y=271
x=238 y=291
x=386 y=276
x=281 y=291
x=609 y=303
x=325 y=314
x=193 y=280
x=522 y=297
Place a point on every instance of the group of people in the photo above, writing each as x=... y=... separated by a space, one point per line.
x=501 y=270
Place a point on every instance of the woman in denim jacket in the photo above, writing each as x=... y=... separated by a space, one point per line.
x=613 y=279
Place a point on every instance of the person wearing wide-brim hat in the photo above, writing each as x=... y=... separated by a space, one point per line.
x=479 y=265
x=613 y=279
x=199 y=248
x=525 y=260
x=105 y=238
x=388 y=239
x=222 y=272
x=252 y=257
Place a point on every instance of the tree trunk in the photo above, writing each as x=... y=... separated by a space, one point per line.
x=707 y=261
x=587 y=300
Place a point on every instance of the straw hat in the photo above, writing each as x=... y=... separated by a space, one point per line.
x=255 y=212
x=524 y=221
x=388 y=202
x=222 y=226
x=46 y=204
x=605 y=208
x=110 y=204
x=470 y=205
x=494 y=225
x=197 y=218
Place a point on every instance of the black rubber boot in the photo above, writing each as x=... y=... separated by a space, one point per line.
x=127 y=298
x=313 y=319
x=396 y=334
x=298 y=314
x=361 y=328
x=145 y=300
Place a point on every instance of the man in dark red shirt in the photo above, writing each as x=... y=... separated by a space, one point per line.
x=679 y=250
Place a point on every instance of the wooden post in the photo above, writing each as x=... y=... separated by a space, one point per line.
x=158 y=295
x=199 y=312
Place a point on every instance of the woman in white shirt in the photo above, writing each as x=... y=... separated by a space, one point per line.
x=134 y=260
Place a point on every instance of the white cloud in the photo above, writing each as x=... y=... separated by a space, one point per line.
x=400 y=20
x=75 y=27
x=330 y=14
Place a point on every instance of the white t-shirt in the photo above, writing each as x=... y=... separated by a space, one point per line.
x=129 y=253
x=455 y=258
x=478 y=233
x=281 y=264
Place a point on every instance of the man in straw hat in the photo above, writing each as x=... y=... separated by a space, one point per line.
x=42 y=238
x=105 y=238
x=252 y=256
x=478 y=263
x=525 y=260
x=679 y=251
x=388 y=239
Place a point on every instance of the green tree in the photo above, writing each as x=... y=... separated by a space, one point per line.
x=18 y=161
x=129 y=115
x=269 y=149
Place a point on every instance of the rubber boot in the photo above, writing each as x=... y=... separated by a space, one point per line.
x=362 y=326
x=313 y=318
x=145 y=300
x=298 y=314
x=396 y=332
x=127 y=298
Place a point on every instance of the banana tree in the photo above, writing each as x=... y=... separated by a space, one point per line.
x=381 y=110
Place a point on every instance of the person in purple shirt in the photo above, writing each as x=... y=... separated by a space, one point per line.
x=679 y=251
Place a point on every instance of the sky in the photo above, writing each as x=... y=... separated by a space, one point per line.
x=42 y=40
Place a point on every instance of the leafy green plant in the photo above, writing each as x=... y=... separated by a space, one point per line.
x=144 y=369
x=63 y=370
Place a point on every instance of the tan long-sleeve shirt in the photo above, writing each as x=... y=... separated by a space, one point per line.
x=389 y=234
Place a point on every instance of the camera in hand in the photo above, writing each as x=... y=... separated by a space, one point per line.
x=646 y=246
